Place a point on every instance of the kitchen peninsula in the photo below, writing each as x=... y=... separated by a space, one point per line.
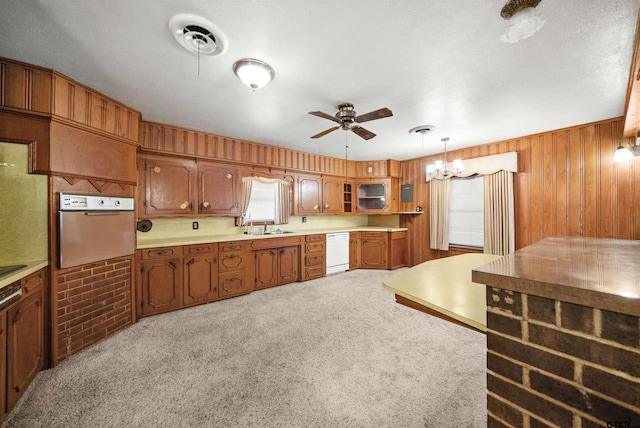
x=563 y=333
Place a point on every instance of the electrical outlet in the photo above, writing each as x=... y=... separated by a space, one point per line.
x=304 y=219
x=194 y=225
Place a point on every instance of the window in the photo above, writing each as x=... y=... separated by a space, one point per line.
x=264 y=203
x=466 y=212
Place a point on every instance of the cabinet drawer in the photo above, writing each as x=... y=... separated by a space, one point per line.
x=314 y=260
x=233 y=284
x=234 y=261
x=314 y=248
x=233 y=246
x=315 y=238
x=190 y=250
x=261 y=244
x=375 y=235
x=162 y=252
x=32 y=282
x=314 y=271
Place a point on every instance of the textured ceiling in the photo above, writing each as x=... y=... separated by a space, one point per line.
x=436 y=62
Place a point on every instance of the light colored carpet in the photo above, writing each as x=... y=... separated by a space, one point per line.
x=333 y=352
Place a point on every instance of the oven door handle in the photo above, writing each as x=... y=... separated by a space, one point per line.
x=98 y=213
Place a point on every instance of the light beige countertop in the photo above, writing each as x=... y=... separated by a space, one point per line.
x=190 y=240
x=30 y=268
x=593 y=272
x=445 y=285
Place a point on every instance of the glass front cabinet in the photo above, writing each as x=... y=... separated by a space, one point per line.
x=373 y=196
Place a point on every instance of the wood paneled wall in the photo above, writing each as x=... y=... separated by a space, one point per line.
x=567 y=185
x=169 y=139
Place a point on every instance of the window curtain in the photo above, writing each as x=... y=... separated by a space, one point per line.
x=282 y=201
x=439 y=214
x=282 y=197
x=247 y=182
x=499 y=228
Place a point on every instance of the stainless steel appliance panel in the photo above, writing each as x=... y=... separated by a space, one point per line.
x=90 y=236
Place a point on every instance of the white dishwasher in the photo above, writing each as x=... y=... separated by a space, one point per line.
x=337 y=252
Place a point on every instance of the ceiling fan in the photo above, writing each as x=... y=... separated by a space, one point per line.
x=346 y=117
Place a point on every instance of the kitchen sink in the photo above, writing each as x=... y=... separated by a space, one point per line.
x=281 y=232
x=6 y=270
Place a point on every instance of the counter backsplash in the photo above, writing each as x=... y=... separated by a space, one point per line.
x=179 y=227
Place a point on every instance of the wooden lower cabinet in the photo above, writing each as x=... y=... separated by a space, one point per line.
x=22 y=341
x=3 y=366
x=314 y=258
x=277 y=261
x=373 y=247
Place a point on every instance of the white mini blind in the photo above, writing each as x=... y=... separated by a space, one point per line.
x=466 y=212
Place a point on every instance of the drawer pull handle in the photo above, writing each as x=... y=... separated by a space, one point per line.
x=172 y=265
x=17 y=317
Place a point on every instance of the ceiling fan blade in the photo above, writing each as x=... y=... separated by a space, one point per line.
x=378 y=114
x=364 y=133
x=325 y=116
x=323 y=133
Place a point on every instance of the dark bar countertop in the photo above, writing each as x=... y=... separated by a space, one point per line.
x=594 y=272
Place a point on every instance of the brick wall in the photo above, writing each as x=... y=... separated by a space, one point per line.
x=553 y=363
x=94 y=302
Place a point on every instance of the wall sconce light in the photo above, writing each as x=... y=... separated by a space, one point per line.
x=624 y=154
x=253 y=72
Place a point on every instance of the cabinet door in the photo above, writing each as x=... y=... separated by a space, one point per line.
x=266 y=268
x=288 y=262
x=25 y=336
x=373 y=196
x=398 y=250
x=169 y=186
x=332 y=196
x=3 y=365
x=374 y=253
x=354 y=250
x=219 y=189
x=161 y=286
x=309 y=195
x=200 y=279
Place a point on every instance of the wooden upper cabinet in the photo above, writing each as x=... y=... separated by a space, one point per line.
x=309 y=192
x=169 y=186
x=373 y=196
x=319 y=195
x=332 y=195
x=219 y=189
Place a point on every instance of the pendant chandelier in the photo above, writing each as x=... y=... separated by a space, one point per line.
x=440 y=169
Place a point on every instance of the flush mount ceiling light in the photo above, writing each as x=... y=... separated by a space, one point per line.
x=524 y=20
x=197 y=35
x=253 y=72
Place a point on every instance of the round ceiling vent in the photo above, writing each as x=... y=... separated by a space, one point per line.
x=197 y=35
x=422 y=129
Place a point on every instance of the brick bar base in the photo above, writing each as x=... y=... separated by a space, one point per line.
x=94 y=302
x=553 y=363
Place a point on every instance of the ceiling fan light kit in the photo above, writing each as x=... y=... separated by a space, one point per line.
x=253 y=72
x=523 y=20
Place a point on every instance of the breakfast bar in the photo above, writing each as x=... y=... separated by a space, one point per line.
x=563 y=333
x=444 y=288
